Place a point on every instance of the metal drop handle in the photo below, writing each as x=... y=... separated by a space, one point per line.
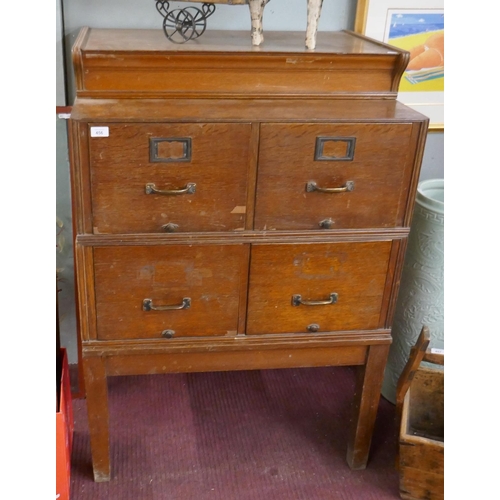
x=313 y=328
x=189 y=188
x=168 y=334
x=170 y=227
x=147 y=305
x=312 y=186
x=326 y=223
x=297 y=301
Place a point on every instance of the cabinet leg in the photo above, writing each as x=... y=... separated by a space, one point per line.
x=368 y=385
x=97 y=407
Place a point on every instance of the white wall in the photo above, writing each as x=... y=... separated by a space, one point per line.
x=284 y=15
x=433 y=162
x=60 y=80
x=287 y=15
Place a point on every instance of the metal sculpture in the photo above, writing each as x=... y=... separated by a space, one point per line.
x=189 y=23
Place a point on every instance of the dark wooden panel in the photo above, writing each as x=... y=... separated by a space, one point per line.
x=416 y=484
x=426 y=455
x=243 y=110
x=244 y=237
x=426 y=404
x=236 y=360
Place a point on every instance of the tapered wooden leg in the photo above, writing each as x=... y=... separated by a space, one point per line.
x=97 y=407
x=368 y=386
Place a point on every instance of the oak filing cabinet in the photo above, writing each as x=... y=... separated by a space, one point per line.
x=239 y=207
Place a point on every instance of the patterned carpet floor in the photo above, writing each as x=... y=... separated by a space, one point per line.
x=250 y=435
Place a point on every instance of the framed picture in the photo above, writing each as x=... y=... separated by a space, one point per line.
x=418 y=27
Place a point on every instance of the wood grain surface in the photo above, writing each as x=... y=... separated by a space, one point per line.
x=242 y=123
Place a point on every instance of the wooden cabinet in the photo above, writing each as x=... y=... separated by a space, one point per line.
x=239 y=208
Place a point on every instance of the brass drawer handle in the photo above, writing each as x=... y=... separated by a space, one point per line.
x=297 y=301
x=147 y=305
x=312 y=186
x=189 y=188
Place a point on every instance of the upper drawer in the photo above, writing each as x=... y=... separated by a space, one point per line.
x=150 y=292
x=332 y=176
x=149 y=178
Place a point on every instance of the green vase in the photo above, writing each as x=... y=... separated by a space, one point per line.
x=420 y=300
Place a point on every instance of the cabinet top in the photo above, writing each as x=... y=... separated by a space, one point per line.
x=144 y=63
x=341 y=43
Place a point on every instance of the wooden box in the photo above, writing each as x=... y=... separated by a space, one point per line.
x=64 y=431
x=421 y=438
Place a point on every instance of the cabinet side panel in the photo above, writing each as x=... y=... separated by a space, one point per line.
x=84 y=259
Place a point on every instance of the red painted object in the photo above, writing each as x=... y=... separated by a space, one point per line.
x=64 y=430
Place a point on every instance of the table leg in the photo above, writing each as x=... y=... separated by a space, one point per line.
x=97 y=407
x=369 y=383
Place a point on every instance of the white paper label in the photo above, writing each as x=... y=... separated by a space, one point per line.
x=434 y=350
x=99 y=131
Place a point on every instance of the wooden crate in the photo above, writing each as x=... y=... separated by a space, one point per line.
x=421 y=439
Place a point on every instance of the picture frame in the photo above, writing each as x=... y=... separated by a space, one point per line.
x=418 y=27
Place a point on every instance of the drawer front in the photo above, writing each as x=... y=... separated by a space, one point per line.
x=153 y=178
x=145 y=292
x=316 y=288
x=332 y=176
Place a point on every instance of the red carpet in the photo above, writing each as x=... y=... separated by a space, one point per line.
x=252 y=435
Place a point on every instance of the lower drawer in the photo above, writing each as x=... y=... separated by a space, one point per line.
x=169 y=290
x=317 y=287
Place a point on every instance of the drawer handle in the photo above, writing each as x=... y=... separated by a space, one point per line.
x=168 y=334
x=147 y=305
x=312 y=186
x=313 y=328
x=170 y=227
x=297 y=301
x=189 y=188
x=326 y=223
